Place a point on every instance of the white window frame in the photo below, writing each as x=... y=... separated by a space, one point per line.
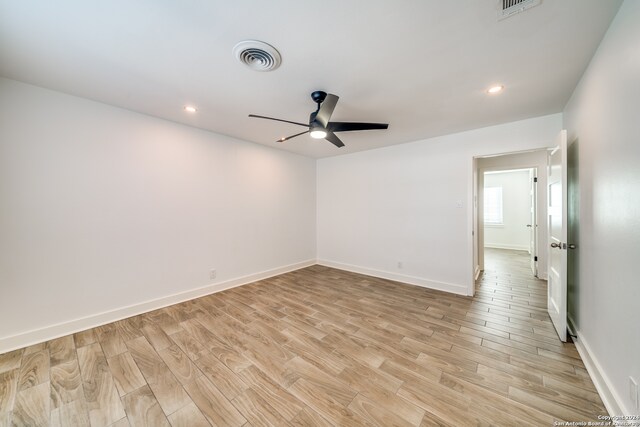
x=497 y=219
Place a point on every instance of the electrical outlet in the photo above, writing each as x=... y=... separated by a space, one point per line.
x=633 y=392
x=399 y=264
x=212 y=274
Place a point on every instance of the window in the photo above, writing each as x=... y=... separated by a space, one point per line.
x=493 y=205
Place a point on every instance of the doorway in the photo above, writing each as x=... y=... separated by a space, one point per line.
x=509 y=214
x=530 y=242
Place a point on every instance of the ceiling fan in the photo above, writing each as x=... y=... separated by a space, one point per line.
x=320 y=127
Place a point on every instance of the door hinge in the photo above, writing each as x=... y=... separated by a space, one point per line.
x=535 y=258
x=535 y=179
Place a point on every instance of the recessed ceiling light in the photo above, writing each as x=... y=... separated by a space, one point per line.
x=495 y=89
x=190 y=109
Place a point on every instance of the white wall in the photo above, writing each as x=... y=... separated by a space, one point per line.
x=102 y=208
x=412 y=203
x=602 y=119
x=516 y=211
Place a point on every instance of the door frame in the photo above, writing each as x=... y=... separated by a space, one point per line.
x=533 y=176
x=476 y=235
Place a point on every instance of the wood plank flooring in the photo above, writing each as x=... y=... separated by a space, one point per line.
x=315 y=347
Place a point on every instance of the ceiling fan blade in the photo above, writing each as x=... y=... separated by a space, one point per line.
x=326 y=109
x=349 y=126
x=333 y=138
x=292 y=136
x=278 y=120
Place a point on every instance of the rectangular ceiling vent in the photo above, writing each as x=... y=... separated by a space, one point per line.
x=507 y=8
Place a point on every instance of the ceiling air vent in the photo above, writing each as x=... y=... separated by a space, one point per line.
x=257 y=55
x=507 y=8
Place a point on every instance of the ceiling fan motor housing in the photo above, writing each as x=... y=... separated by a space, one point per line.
x=318 y=96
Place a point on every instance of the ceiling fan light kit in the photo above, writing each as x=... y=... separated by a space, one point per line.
x=318 y=133
x=319 y=126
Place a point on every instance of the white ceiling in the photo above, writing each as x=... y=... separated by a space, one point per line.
x=422 y=66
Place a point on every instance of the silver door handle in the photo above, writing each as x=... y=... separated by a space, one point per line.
x=528 y=225
x=555 y=245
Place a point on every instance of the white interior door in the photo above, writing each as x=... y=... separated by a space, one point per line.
x=557 y=227
x=533 y=221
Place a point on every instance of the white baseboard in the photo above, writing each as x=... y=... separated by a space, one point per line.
x=35 y=336
x=611 y=399
x=476 y=273
x=417 y=281
x=511 y=247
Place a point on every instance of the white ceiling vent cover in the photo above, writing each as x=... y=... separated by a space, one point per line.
x=257 y=55
x=507 y=8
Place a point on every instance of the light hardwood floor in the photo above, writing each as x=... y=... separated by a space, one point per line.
x=314 y=347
